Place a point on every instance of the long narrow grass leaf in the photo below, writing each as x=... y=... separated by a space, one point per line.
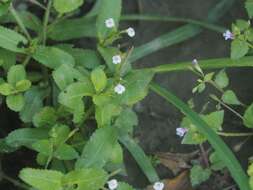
x=206 y=64
x=160 y=18
x=217 y=143
x=180 y=34
x=140 y=157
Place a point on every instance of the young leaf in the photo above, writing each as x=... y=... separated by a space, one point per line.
x=59 y=134
x=108 y=9
x=11 y=39
x=44 y=147
x=229 y=97
x=117 y=154
x=15 y=74
x=8 y=59
x=199 y=175
x=26 y=137
x=42 y=179
x=98 y=149
x=98 y=79
x=65 y=6
x=248 y=117
x=6 y=89
x=46 y=117
x=15 y=102
x=124 y=186
x=216 y=162
x=52 y=57
x=90 y=179
x=221 y=79
x=239 y=48
x=23 y=85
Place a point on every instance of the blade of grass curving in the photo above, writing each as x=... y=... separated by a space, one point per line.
x=205 y=64
x=160 y=18
x=180 y=34
x=140 y=157
x=217 y=143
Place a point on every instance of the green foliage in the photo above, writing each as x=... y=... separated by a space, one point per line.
x=249 y=8
x=248 y=117
x=98 y=79
x=229 y=97
x=65 y=6
x=216 y=163
x=221 y=79
x=199 y=175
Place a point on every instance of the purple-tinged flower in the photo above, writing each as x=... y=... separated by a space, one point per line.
x=228 y=35
x=119 y=89
x=194 y=61
x=158 y=186
x=112 y=184
x=181 y=131
x=131 y=32
x=109 y=23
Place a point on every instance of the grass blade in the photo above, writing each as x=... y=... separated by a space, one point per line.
x=180 y=34
x=217 y=143
x=205 y=64
x=140 y=157
x=160 y=18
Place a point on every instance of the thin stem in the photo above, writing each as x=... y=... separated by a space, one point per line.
x=19 y=21
x=204 y=154
x=114 y=173
x=160 y=18
x=26 y=60
x=37 y=3
x=216 y=86
x=228 y=107
x=229 y=134
x=45 y=22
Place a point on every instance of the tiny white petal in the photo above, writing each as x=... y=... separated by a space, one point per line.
x=116 y=59
x=131 y=32
x=181 y=131
x=112 y=184
x=158 y=186
x=194 y=61
x=109 y=23
x=119 y=89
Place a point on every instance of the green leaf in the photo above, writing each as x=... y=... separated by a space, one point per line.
x=15 y=102
x=66 y=152
x=92 y=179
x=33 y=103
x=248 y=117
x=23 y=85
x=136 y=86
x=98 y=79
x=59 y=134
x=216 y=162
x=46 y=117
x=52 y=57
x=97 y=151
x=239 y=49
x=229 y=97
x=249 y=8
x=8 y=58
x=126 y=121
x=4 y=6
x=199 y=175
x=250 y=172
x=15 y=74
x=44 y=147
x=42 y=179
x=117 y=154
x=25 y=137
x=108 y=9
x=9 y=39
x=73 y=29
x=84 y=57
x=65 y=6
x=105 y=113
x=221 y=79
x=6 y=89
x=220 y=147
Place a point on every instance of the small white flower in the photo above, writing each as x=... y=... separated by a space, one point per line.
x=228 y=35
x=119 y=89
x=116 y=59
x=109 y=23
x=181 y=131
x=112 y=184
x=194 y=61
x=158 y=186
x=131 y=32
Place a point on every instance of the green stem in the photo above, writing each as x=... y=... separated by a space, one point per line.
x=19 y=22
x=45 y=22
x=216 y=86
x=26 y=60
x=114 y=173
x=160 y=18
x=205 y=64
x=226 y=134
x=37 y=3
